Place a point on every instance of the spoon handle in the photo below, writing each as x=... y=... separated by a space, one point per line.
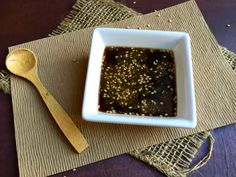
x=62 y=119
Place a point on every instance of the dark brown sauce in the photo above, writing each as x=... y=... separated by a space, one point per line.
x=138 y=81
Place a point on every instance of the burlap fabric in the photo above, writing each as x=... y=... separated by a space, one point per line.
x=4 y=82
x=172 y=158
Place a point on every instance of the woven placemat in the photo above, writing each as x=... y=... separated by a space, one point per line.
x=171 y=158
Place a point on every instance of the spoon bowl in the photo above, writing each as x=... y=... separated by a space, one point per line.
x=23 y=62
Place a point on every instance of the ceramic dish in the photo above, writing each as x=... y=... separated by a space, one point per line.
x=178 y=42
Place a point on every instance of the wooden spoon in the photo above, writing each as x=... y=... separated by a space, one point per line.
x=23 y=63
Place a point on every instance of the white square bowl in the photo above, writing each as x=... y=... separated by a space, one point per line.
x=178 y=42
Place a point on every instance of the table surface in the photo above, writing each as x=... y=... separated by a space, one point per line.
x=25 y=20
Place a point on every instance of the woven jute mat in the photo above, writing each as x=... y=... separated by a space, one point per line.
x=172 y=158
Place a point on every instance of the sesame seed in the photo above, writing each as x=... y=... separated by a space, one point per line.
x=169 y=20
x=148 y=25
x=228 y=25
x=134 y=2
